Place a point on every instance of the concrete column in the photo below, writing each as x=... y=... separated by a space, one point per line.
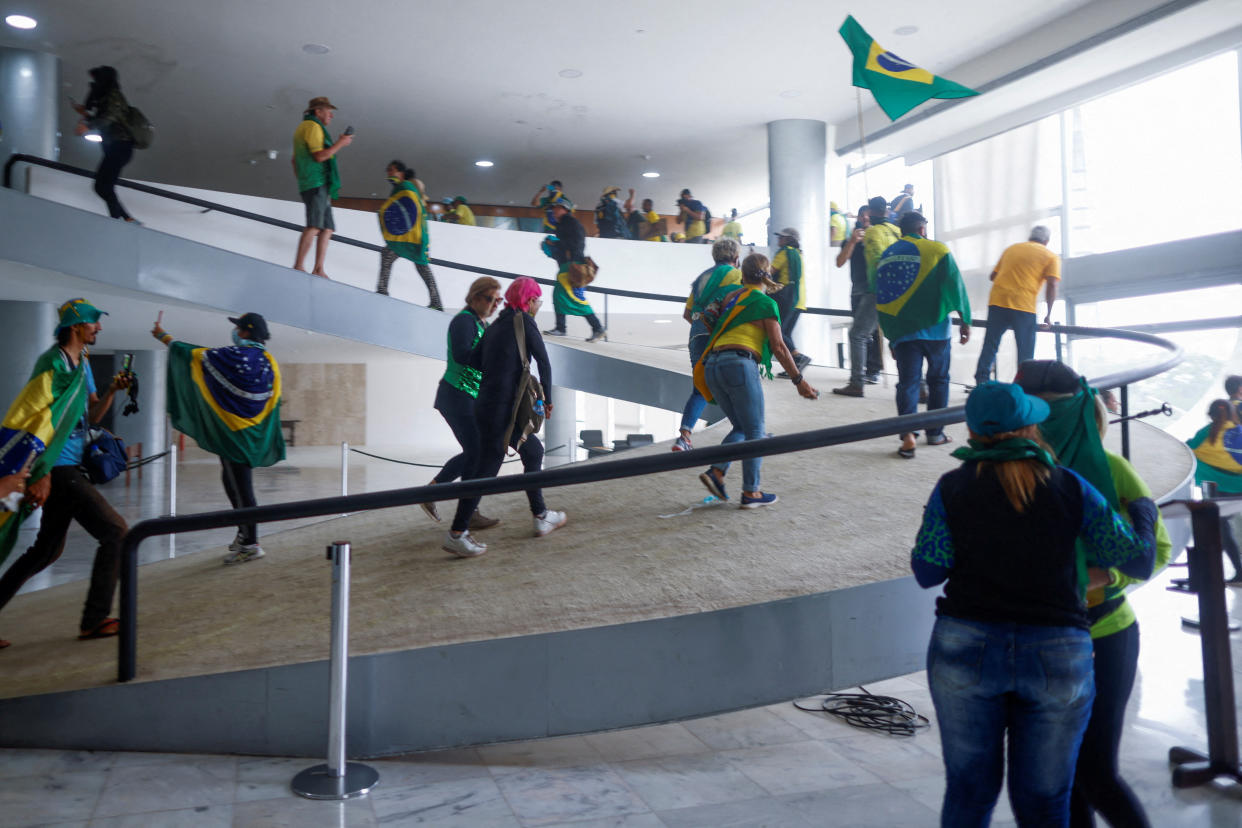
x=562 y=428
x=27 y=329
x=149 y=426
x=797 y=175
x=29 y=90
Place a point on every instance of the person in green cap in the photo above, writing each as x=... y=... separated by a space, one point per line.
x=314 y=165
x=459 y=212
x=1074 y=430
x=48 y=421
x=568 y=246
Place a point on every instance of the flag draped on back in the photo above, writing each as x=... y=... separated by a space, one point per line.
x=403 y=223
x=228 y=400
x=40 y=420
x=897 y=85
x=917 y=284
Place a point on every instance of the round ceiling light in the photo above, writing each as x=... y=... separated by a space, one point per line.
x=316 y=48
x=21 y=21
x=652 y=174
x=906 y=30
x=791 y=93
x=570 y=73
x=483 y=164
x=93 y=137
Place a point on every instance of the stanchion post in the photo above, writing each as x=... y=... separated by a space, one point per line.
x=172 y=496
x=1125 y=421
x=338 y=778
x=344 y=469
x=605 y=317
x=1056 y=335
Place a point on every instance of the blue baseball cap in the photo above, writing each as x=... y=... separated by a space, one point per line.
x=997 y=407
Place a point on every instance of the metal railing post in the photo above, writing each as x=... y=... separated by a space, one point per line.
x=172 y=496
x=1056 y=334
x=1125 y=423
x=338 y=778
x=344 y=469
x=605 y=317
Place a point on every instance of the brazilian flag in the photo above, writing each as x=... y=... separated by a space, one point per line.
x=403 y=223
x=228 y=400
x=917 y=284
x=40 y=420
x=897 y=85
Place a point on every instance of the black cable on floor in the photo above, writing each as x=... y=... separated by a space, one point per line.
x=886 y=714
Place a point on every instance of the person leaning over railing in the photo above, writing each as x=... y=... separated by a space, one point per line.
x=1010 y=653
x=499 y=356
x=1218 y=450
x=1075 y=430
x=458 y=388
x=746 y=334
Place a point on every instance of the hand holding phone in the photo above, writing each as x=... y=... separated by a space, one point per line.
x=349 y=130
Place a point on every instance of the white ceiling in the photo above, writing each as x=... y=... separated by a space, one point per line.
x=689 y=83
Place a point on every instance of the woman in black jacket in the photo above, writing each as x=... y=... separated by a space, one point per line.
x=104 y=111
x=497 y=357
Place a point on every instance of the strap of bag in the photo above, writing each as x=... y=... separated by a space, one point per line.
x=519 y=327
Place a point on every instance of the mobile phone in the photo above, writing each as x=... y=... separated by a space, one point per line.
x=128 y=363
x=349 y=130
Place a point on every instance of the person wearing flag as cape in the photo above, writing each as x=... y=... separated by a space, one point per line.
x=917 y=286
x=44 y=433
x=228 y=400
x=567 y=247
x=403 y=224
x=314 y=165
x=746 y=334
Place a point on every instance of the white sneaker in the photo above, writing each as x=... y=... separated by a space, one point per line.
x=550 y=522
x=463 y=545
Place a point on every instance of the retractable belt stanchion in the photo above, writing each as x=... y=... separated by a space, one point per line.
x=172 y=495
x=337 y=779
x=1207 y=576
x=344 y=469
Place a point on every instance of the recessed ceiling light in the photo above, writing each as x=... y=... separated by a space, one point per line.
x=651 y=175
x=25 y=72
x=570 y=73
x=21 y=21
x=316 y=49
x=905 y=30
x=791 y=93
x=661 y=321
x=93 y=137
x=483 y=163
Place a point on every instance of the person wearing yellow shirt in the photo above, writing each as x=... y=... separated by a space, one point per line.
x=460 y=212
x=732 y=228
x=880 y=234
x=1016 y=280
x=791 y=299
x=693 y=216
x=314 y=164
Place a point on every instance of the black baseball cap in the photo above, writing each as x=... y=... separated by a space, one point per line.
x=254 y=323
x=1047 y=376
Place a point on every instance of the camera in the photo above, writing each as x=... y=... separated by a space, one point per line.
x=349 y=130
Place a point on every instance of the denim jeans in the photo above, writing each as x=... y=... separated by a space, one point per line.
x=699 y=337
x=1000 y=320
x=592 y=320
x=910 y=355
x=1033 y=682
x=733 y=379
x=866 y=323
x=874 y=347
x=116 y=154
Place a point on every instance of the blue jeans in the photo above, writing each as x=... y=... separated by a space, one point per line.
x=910 y=355
x=699 y=337
x=733 y=379
x=1033 y=682
x=863 y=332
x=1000 y=320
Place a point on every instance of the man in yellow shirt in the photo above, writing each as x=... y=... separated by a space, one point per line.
x=880 y=234
x=732 y=228
x=460 y=212
x=314 y=164
x=1016 y=279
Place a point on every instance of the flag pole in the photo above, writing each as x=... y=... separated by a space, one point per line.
x=862 y=141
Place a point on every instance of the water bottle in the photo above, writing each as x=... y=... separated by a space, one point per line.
x=539 y=407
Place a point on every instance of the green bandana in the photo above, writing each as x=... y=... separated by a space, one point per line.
x=1072 y=433
x=1015 y=448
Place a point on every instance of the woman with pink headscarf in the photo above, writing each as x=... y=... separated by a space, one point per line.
x=497 y=357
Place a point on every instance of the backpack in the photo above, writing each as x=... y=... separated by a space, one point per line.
x=608 y=217
x=528 y=411
x=141 y=131
x=104 y=457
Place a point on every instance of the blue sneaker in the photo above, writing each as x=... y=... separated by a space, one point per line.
x=764 y=499
x=713 y=484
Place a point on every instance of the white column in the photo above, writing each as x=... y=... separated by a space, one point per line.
x=797 y=176
x=149 y=425
x=561 y=429
x=29 y=97
x=27 y=329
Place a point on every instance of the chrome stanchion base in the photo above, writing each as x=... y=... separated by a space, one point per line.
x=319 y=783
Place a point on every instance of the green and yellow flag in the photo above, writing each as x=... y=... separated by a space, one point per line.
x=897 y=85
x=917 y=284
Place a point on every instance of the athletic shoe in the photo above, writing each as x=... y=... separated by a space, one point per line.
x=248 y=552
x=463 y=545
x=436 y=306
x=550 y=522
x=764 y=499
x=236 y=545
x=802 y=360
x=682 y=443
x=871 y=379
x=850 y=390
x=554 y=332
x=714 y=484
x=478 y=521
x=597 y=335
x=430 y=508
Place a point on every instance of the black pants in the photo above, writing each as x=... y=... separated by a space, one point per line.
x=1097 y=784
x=116 y=154
x=786 y=298
x=238 y=481
x=457 y=408
x=591 y=319
x=73 y=497
x=487 y=463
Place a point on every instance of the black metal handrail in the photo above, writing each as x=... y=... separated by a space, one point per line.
x=564 y=476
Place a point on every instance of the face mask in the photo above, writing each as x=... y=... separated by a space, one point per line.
x=237 y=338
